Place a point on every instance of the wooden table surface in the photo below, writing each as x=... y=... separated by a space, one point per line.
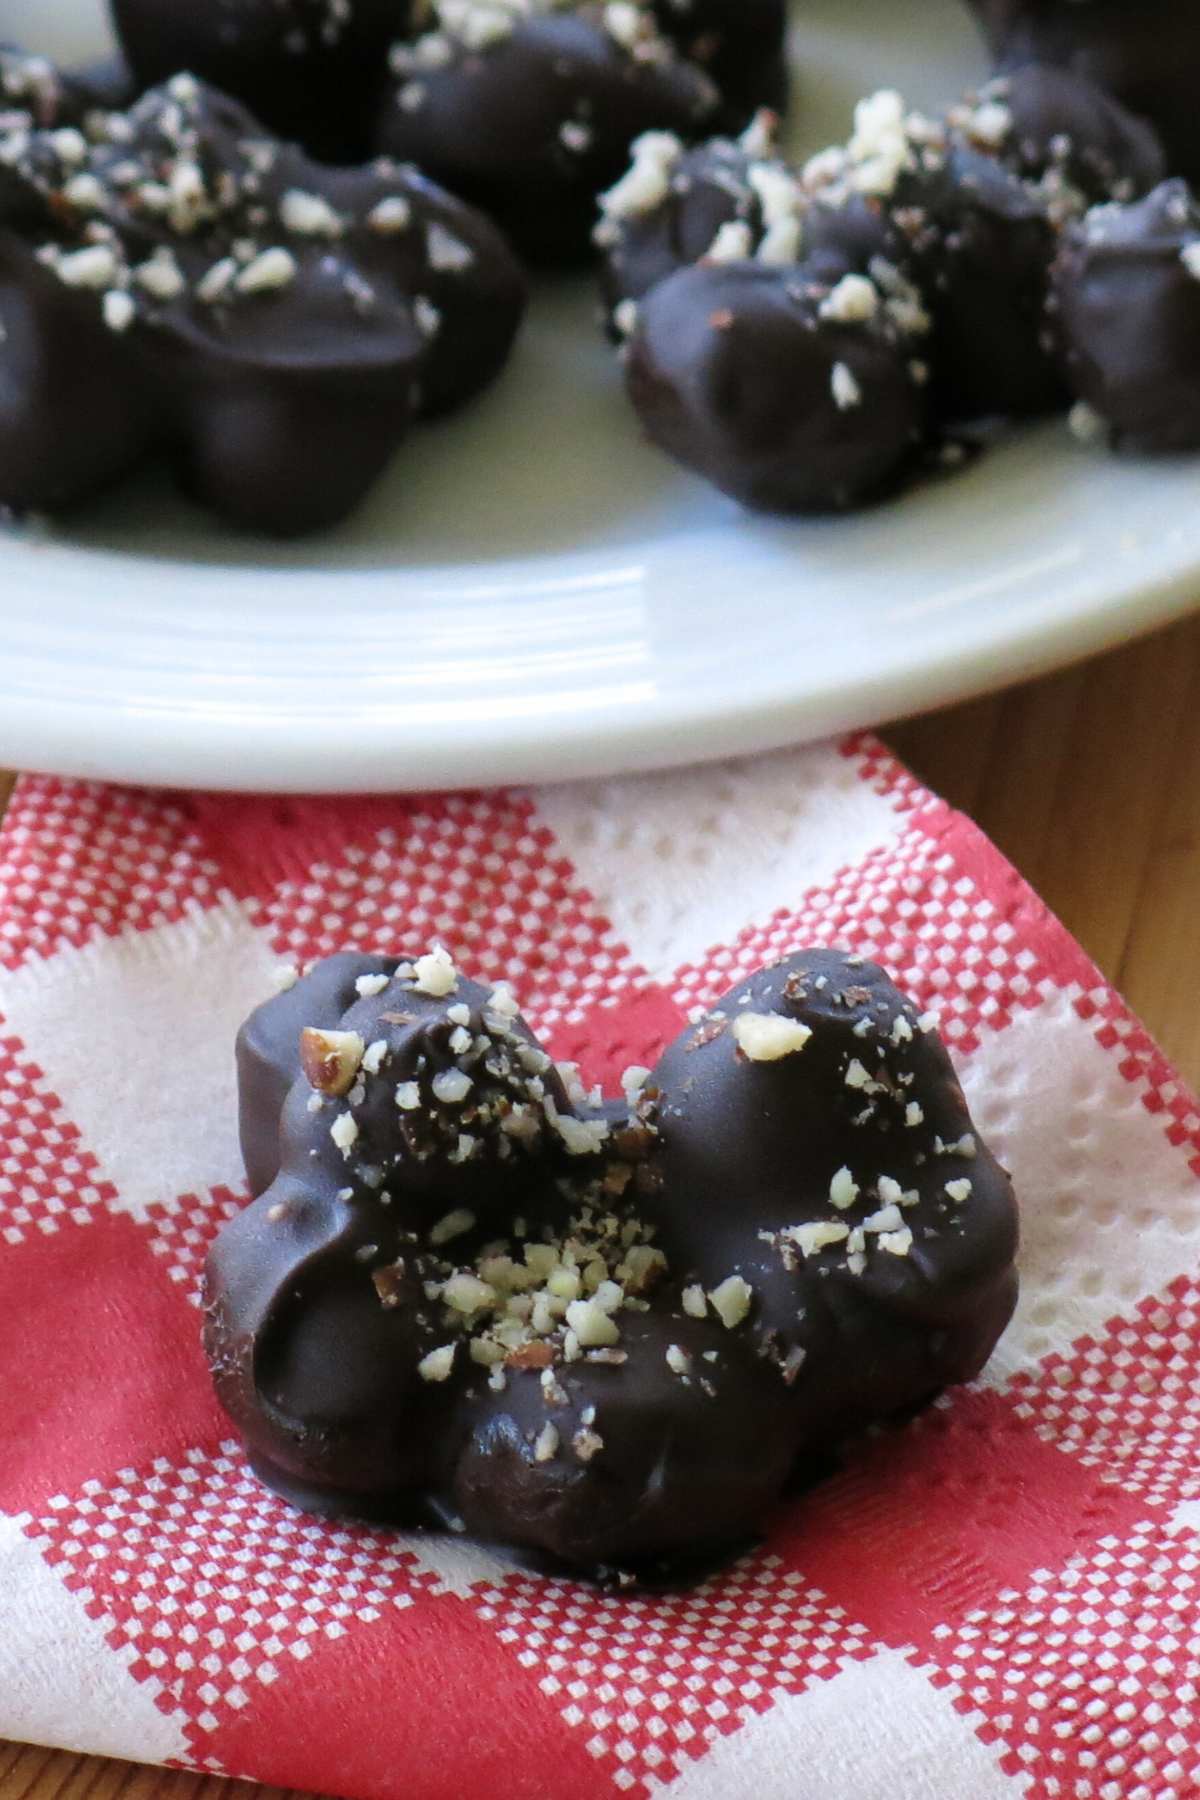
x=1090 y=782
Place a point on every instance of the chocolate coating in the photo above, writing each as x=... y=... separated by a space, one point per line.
x=671 y=208
x=735 y=371
x=268 y=324
x=776 y=1134
x=529 y=122
x=1126 y=298
x=742 y=44
x=1054 y=127
x=1147 y=54
x=535 y=123
x=980 y=243
x=952 y=222
x=855 y=1239
x=310 y=71
x=268 y=1051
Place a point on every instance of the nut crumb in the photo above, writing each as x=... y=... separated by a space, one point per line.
x=731 y=1301
x=766 y=1037
x=438 y=1364
x=330 y=1059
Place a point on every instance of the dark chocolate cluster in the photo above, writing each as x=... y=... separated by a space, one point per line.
x=312 y=71
x=470 y=1294
x=527 y=108
x=1125 y=310
x=805 y=338
x=175 y=283
x=1146 y=52
x=1125 y=283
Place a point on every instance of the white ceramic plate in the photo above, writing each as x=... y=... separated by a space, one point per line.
x=533 y=593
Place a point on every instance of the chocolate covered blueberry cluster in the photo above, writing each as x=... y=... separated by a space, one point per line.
x=808 y=338
x=525 y=107
x=176 y=284
x=607 y=1333
x=1146 y=52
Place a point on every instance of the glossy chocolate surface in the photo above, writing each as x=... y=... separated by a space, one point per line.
x=1146 y=52
x=741 y=44
x=533 y=125
x=1126 y=316
x=528 y=111
x=269 y=325
x=755 y=381
x=604 y=1335
x=914 y=259
x=310 y=70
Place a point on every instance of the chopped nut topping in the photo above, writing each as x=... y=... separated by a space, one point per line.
x=390 y=215
x=678 y=1359
x=843 y=1190
x=633 y=1080
x=368 y=986
x=813 y=1238
x=330 y=1059
x=530 y=1356
x=846 y=391
x=435 y=973
x=546 y=1447
x=731 y=1301
x=582 y=1137
x=466 y=1294
x=695 y=1301
x=454 y=1224
x=344 y=1132
x=503 y=1001
x=389 y=1283
x=591 y=1324
x=587 y=1444
x=564 y=1284
x=854 y=301
x=552 y=1393
x=438 y=1364
x=958 y=1191
x=308 y=215
x=766 y=1037
x=451 y=1086
x=642 y=1268
x=270 y=270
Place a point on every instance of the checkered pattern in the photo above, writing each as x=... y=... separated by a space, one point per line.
x=652 y=1684
x=46 y=1176
x=213 y=1582
x=183 y=1228
x=999 y=1599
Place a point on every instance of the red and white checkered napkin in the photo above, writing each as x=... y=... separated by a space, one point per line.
x=1000 y=1599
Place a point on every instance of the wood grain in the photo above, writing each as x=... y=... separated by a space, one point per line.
x=1089 y=781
